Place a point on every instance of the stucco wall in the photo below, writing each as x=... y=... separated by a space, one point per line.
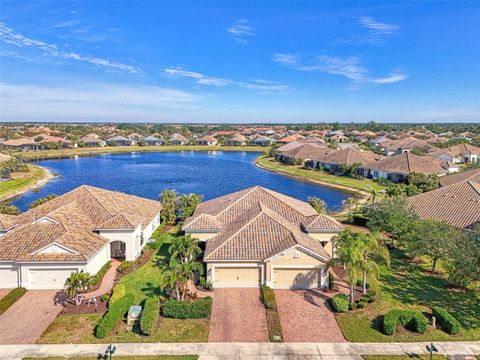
x=321 y=237
x=289 y=259
x=201 y=236
x=98 y=260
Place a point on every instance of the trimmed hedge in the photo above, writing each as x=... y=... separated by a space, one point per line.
x=117 y=294
x=339 y=303
x=268 y=296
x=447 y=321
x=10 y=299
x=149 y=317
x=115 y=314
x=97 y=279
x=187 y=309
x=410 y=319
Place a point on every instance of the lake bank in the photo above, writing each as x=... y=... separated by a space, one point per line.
x=23 y=182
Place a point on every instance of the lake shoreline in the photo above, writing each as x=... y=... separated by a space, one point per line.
x=36 y=184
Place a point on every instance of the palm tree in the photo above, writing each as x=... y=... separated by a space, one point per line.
x=371 y=247
x=76 y=285
x=349 y=254
x=184 y=249
x=374 y=193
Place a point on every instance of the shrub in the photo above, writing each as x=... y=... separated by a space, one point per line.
x=331 y=281
x=447 y=322
x=268 y=297
x=410 y=319
x=339 y=303
x=360 y=283
x=115 y=313
x=117 y=294
x=41 y=201
x=101 y=273
x=125 y=267
x=9 y=299
x=155 y=245
x=149 y=315
x=360 y=219
x=361 y=304
x=352 y=306
x=104 y=298
x=187 y=309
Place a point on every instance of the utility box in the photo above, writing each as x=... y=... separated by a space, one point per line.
x=133 y=315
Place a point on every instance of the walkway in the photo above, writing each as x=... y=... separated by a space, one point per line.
x=305 y=317
x=28 y=318
x=107 y=282
x=4 y=292
x=262 y=351
x=238 y=316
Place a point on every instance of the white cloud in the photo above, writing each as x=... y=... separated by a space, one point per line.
x=265 y=86
x=91 y=102
x=200 y=78
x=9 y=36
x=241 y=30
x=374 y=32
x=349 y=67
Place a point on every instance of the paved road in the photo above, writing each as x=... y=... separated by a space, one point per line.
x=214 y=351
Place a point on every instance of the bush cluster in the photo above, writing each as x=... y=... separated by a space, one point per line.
x=268 y=296
x=446 y=320
x=410 y=319
x=101 y=273
x=339 y=303
x=125 y=267
x=360 y=219
x=117 y=294
x=149 y=317
x=114 y=315
x=187 y=309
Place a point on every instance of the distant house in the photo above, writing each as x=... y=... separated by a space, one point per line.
x=178 y=139
x=207 y=140
x=237 y=140
x=263 y=141
x=339 y=138
x=404 y=145
x=119 y=141
x=152 y=141
x=22 y=144
x=304 y=153
x=92 y=141
x=290 y=138
x=38 y=142
x=135 y=137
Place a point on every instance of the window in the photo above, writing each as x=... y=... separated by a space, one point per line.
x=296 y=254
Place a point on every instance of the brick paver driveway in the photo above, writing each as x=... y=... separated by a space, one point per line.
x=305 y=317
x=238 y=316
x=28 y=318
x=4 y=292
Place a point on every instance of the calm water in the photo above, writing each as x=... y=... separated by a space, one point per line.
x=211 y=174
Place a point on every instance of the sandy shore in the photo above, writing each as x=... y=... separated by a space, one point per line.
x=41 y=181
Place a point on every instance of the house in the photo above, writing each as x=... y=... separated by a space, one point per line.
x=135 y=137
x=469 y=175
x=78 y=231
x=457 y=204
x=406 y=144
x=237 y=140
x=178 y=139
x=119 y=141
x=466 y=153
x=263 y=141
x=303 y=153
x=397 y=168
x=257 y=236
x=207 y=140
x=92 y=141
x=152 y=141
x=339 y=138
x=290 y=138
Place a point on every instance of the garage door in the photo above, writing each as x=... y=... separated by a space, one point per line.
x=48 y=278
x=295 y=278
x=237 y=277
x=8 y=278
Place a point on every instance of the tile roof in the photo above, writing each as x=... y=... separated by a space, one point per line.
x=351 y=156
x=407 y=163
x=407 y=143
x=457 y=204
x=70 y=220
x=321 y=223
x=5 y=157
x=462 y=149
x=307 y=151
x=208 y=138
x=472 y=175
x=179 y=137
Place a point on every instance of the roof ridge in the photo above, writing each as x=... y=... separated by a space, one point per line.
x=88 y=188
x=474 y=185
x=240 y=198
x=274 y=194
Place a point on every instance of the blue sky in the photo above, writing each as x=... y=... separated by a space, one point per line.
x=240 y=61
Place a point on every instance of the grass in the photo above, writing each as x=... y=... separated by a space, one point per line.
x=10 y=299
x=402 y=357
x=406 y=285
x=11 y=187
x=46 y=154
x=319 y=176
x=133 y=357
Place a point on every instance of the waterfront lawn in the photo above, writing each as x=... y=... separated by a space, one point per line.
x=404 y=357
x=20 y=181
x=318 y=176
x=406 y=285
x=133 y=357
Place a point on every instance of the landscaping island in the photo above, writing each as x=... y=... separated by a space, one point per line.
x=21 y=182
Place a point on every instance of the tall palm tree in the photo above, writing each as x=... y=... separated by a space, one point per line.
x=349 y=254
x=184 y=249
x=374 y=194
x=371 y=246
x=76 y=285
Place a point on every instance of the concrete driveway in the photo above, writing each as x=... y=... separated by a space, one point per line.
x=27 y=319
x=238 y=316
x=305 y=317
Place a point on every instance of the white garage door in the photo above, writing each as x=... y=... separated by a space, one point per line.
x=48 y=278
x=8 y=278
x=296 y=278
x=237 y=276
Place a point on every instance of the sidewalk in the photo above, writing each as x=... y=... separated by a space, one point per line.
x=212 y=351
x=107 y=281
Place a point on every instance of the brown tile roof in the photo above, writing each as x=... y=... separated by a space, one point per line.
x=19 y=142
x=208 y=138
x=461 y=149
x=70 y=220
x=321 y=223
x=407 y=163
x=179 y=137
x=457 y=204
x=307 y=151
x=351 y=156
x=238 y=138
x=7 y=220
x=290 y=138
x=4 y=157
x=407 y=143
x=472 y=175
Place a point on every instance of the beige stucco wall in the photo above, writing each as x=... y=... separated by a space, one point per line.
x=201 y=236
x=289 y=259
x=329 y=247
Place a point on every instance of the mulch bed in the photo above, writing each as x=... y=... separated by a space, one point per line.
x=83 y=308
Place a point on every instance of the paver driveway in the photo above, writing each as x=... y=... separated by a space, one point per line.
x=305 y=317
x=238 y=316
x=28 y=318
x=4 y=292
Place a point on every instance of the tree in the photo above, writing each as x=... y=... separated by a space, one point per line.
x=186 y=204
x=372 y=249
x=349 y=205
x=350 y=170
x=432 y=238
x=9 y=209
x=394 y=190
x=41 y=201
x=76 y=285
x=168 y=199
x=424 y=182
x=318 y=204
x=349 y=254
x=374 y=194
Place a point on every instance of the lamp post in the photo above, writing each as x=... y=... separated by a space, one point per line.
x=431 y=349
x=110 y=350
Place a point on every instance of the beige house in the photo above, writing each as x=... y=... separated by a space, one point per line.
x=258 y=236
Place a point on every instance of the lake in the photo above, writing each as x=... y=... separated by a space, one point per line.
x=146 y=174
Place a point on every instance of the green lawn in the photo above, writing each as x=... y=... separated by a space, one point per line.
x=404 y=357
x=405 y=285
x=133 y=357
x=9 y=187
x=319 y=176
